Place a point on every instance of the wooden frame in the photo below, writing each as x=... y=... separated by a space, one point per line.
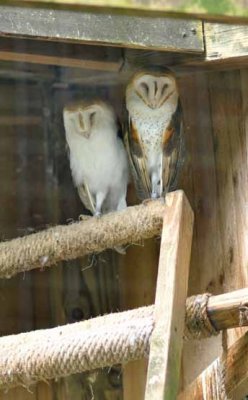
x=230 y=370
x=113 y=29
x=171 y=292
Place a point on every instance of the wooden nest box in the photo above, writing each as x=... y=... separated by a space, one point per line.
x=52 y=52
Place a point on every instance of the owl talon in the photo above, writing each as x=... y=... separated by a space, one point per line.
x=83 y=217
x=97 y=214
x=147 y=201
x=154 y=195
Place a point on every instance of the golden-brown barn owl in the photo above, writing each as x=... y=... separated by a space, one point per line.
x=98 y=159
x=153 y=135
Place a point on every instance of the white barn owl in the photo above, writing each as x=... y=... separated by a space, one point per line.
x=98 y=159
x=153 y=135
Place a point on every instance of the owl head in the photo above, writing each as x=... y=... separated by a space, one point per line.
x=83 y=119
x=154 y=89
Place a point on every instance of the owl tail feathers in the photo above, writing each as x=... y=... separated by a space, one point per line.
x=87 y=198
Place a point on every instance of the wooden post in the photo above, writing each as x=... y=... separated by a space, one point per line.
x=228 y=374
x=172 y=284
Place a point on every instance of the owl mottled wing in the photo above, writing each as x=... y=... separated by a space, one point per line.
x=86 y=197
x=172 y=150
x=137 y=159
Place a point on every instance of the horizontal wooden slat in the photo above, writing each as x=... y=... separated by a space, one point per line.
x=103 y=28
x=19 y=120
x=61 y=54
x=229 y=310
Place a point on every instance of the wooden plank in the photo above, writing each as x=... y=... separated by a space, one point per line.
x=229 y=310
x=172 y=284
x=225 y=41
x=227 y=375
x=198 y=180
x=19 y=120
x=64 y=55
x=226 y=47
x=208 y=9
x=230 y=135
x=103 y=28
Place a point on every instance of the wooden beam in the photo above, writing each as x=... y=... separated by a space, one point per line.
x=226 y=44
x=228 y=374
x=172 y=284
x=229 y=310
x=64 y=55
x=226 y=47
x=221 y=10
x=18 y=120
x=110 y=29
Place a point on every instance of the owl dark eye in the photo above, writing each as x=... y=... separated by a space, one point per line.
x=81 y=121
x=145 y=87
x=92 y=117
x=165 y=87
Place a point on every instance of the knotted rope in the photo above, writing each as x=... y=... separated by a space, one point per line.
x=198 y=325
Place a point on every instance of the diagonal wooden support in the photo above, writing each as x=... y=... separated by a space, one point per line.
x=225 y=378
x=172 y=284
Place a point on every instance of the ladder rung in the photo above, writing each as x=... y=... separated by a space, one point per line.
x=29 y=357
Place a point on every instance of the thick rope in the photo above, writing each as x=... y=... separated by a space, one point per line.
x=48 y=247
x=52 y=353
x=198 y=324
x=103 y=341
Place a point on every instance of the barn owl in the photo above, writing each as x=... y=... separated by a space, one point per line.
x=98 y=159
x=154 y=132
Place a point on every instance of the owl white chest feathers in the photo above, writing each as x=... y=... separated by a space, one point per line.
x=99 y=161
x=150 y=123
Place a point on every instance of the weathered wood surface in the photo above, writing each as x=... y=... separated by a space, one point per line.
x=214 y=180
x=225 y=41
x=226 y=376
x=110 y=29
x=229 y=310
x=171 y=292
x=208 y=9
x=226 y=47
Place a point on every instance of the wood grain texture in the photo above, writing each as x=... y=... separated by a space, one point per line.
x=228 y=374
x=214 y=180
x=171 y=291
x=106 y=28
x=137 y=288
x=229 y=310
x=230 y=135
x=225 y=41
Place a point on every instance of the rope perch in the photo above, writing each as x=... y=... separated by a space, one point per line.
x=68 y=242
x=27 y=358
x=198 y=325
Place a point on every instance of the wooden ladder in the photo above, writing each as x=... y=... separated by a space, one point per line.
x=227 y=377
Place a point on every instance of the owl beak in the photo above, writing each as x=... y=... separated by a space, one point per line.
x=153 y=105
x=86 y=134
